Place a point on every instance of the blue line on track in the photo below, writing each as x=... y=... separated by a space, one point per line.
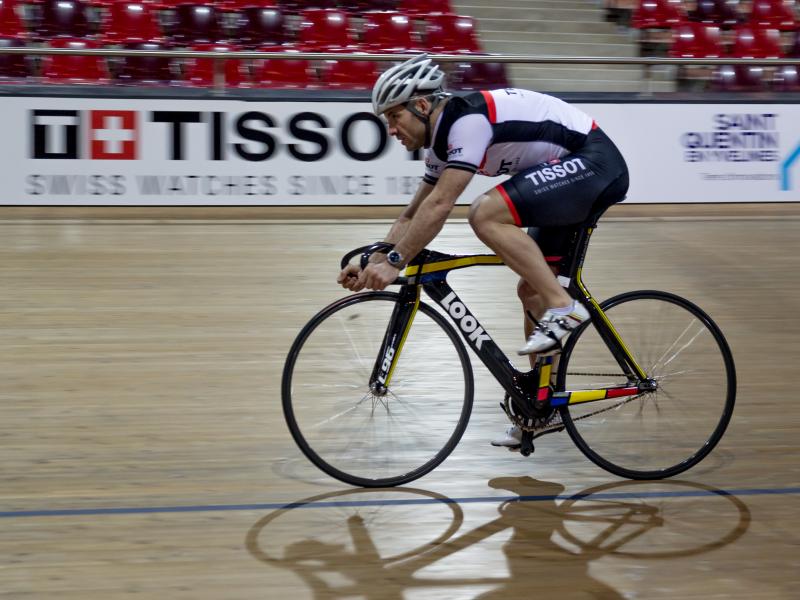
x=83 y=512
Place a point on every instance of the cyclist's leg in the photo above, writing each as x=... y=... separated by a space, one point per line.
x=496 y=226
x=554 y=243
x=561 y=193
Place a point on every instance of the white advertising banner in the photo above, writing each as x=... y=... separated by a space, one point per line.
x=101 y=151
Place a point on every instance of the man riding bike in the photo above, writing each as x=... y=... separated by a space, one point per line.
x=563 y=168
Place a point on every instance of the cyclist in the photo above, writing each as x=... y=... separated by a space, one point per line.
x=563 y=167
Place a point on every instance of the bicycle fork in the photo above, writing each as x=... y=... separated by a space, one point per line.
x=396 y=333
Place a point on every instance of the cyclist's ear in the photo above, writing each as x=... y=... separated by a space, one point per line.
x=423 y=105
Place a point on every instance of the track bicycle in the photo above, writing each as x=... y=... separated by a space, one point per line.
x=377 y=388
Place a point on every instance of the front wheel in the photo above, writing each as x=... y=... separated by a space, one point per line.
x=661 y=433
x=369 y=437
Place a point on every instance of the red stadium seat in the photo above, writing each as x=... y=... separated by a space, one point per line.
x=717 y=12
x=62 y=18
x=696 y=40
x=10 y=24
x=130 y=22
x=139 y=70
x=195 y=24
x=786 y=79
x=349 y=74
x=420 y=8
x=658 y=14
x=450 y=33
x=74 y=68
x=774 y=14
x=323 y=29
x=388 y=31
x=794 y=50
x=200 y=71
x=754 y=42
x=260 y=26
x=13 y=66
x=479 y=76
x=739 y=78
x=240 y=5
x=357 y=8
x=279 y=73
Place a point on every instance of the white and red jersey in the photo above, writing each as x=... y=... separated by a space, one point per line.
x=505 y=131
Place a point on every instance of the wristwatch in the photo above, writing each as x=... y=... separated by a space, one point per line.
x=395 y=259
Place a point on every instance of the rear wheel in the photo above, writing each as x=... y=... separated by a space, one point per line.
x=374 y=439
x=660 y=433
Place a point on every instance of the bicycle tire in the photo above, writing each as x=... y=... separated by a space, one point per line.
x=371 y=441
x=657 y=434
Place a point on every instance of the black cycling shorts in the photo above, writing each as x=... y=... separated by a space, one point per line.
x=567 y=191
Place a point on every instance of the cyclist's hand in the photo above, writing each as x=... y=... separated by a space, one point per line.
x=351 y=278
x=378 y=275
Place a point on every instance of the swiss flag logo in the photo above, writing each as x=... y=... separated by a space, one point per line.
x=113 y=134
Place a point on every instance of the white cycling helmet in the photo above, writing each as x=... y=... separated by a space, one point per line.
x=416 y=77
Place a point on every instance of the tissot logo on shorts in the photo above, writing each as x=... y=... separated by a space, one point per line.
x=557 y=171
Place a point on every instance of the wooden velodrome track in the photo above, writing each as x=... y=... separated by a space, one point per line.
x=144 y=452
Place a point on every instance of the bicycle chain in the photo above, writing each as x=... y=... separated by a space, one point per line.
x=525 y=423
x=552 y=421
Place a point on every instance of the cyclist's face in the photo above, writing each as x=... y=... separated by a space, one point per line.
x=407 y=128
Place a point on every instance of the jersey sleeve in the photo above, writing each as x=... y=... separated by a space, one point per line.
x=433 y=168
x=467 y=142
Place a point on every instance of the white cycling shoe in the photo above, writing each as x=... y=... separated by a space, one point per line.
x=552 y=328
x=511 y=439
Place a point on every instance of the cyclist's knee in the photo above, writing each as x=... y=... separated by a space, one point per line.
x=486 y=211
x=478 y=218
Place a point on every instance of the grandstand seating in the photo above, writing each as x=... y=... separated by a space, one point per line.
x=421 y=8
x=754 y=42
x=195 y=23
x=144 y=70
x=74 y=68
x=348 y=74
x=773 y=14
x=10 y=24
x=61 y=18
x=739 y=78
x=444 y=32
x=696 y=40
x=751 y=30
x=282 y=73
x=712 y=28
x=325 y=29
x=129 y=23
x=388 y=31
x=13 y=66
x=200 y=71
x=257 y=26
x=478 y=76
x=717 y=12
x=658 y=14
x=786 y=79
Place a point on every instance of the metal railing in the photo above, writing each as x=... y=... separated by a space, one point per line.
x=220 y=57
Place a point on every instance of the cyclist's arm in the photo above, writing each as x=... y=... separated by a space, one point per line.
x=432 y=212
x=401 y=224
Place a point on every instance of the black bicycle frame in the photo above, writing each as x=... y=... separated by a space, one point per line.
x=429 y=271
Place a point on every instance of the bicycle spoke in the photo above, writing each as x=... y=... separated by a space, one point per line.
x=367 y=438
x=672 y=427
